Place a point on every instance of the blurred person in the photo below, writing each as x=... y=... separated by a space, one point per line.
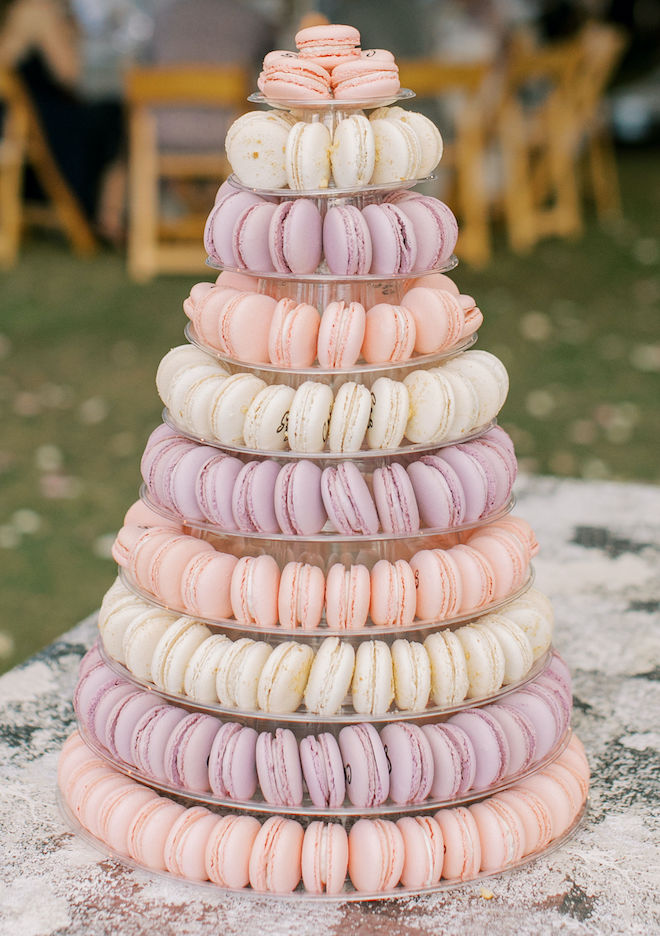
x=205 y=32
x=40 y=42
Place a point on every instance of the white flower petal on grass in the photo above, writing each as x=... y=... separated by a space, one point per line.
x=540 y=403
x=26 y=521
x=102 y=545
x=10 y=538
x=646 y=358
x=6 y=645
x=536 y=326
x=48 y=458
x=94 y=410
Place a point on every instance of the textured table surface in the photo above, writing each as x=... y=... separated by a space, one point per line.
x=600 y=563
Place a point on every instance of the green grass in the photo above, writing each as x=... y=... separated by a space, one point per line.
x=577 y=325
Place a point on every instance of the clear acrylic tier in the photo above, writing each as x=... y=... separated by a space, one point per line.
x=331 y=105
x=307 y=810
x=345 y=716
x=418 y=630
x=348 y=894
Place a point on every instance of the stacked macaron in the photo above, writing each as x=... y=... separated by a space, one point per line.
x=237 y=851
x=415 y=233
x=271 y=150
x=456 y=486
x=248 y=326
x=475 y=749
x=240 y=410
x=329 y=63
x=184 y=657
x=471 y=573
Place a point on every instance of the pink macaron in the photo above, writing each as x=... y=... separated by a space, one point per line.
x=341 y=334
x=376 y=855
x=301 y=595
x=293 y=333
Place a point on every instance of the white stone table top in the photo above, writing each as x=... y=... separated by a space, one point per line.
x=600 y=563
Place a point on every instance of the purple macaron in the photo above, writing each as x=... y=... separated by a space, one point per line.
x=214 y=486
x=490 y=743
x=187 y=752
x=219 y=227
x=544 y=711
x=436 y=230
x=439 y=492
x=365 y=765
x=395 y=499
x=346 y=241
x=232 y=762
x=294 y=237
x=467 y=753
x=410 y=756
x=149 y=739
x=253 y=497
x=393 y=239
x=298 y=502
x=323 y=769
x=447 y=766
x=347 y=499
x=520 y=735
x=250 y=238
x=278 y=768
x=122 y=720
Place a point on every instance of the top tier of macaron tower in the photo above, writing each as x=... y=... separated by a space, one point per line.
x=323 y=670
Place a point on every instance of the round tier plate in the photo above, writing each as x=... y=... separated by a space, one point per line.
x=299 y=895
x=359 y=540
x=417 y=629
x=347 y=716
x=359 y=369
x=308 y=809
x=328 y=105
x=445 y=267
x=377 y=456
x=331 y=191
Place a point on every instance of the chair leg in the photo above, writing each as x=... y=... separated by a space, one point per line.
x=10 y=214
x=604 y=176
x=471 y=198
x=518 y=196
x=143 y=198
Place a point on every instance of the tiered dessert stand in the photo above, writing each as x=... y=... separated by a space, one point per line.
x=326 y=548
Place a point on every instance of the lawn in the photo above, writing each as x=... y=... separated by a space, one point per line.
x=577 y=325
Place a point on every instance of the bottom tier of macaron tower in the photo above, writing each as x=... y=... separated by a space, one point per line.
x=328 y=810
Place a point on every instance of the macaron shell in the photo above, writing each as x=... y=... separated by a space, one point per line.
x=228 y=849
x=376 y=855
x=424 y=851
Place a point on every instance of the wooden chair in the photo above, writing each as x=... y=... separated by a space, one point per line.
x=154 y=246
x=465 y=153
x=549 y=117
x=23 y=141
x=540 y=190
x=602 y=47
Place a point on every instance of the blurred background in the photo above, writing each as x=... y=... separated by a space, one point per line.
x=113 y=115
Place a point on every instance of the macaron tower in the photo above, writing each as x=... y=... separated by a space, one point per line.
x=323 y=670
